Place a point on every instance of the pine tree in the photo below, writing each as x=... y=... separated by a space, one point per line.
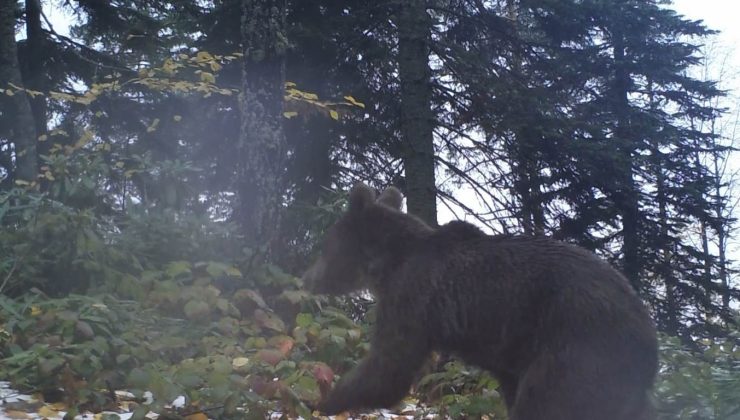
x=16 y=115
x=262 y=139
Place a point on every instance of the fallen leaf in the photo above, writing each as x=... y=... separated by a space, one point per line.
x=271 y=357
x=48 y=411
x=239 y=362
x=282 y=343
x=13 y=414
x=323 y=373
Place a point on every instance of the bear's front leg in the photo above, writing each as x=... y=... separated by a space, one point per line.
x=382 y=378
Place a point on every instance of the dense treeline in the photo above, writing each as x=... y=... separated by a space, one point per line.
x=576 y=119
x=579 y=119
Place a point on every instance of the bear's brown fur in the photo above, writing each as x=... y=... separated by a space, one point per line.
x=561 y=330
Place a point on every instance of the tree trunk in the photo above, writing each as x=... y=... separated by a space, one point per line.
x=23 y=133
x=35 y=70
x=526 y=183
x=417 y=125
x=721 y=213
x=525 y=156
x=262 y=145
x=723 y=276
x=673 y=311
x=626 y=197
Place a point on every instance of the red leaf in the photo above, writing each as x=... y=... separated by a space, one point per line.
x=272 y=357
x=282 y=343
x=323 y=373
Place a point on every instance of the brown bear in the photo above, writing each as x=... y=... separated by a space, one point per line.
x=561 y=330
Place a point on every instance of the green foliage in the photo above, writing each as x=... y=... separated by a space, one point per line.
x=181 y=336
x=700 y=384
x=461 y=391
x=50 y=245
x=71 y=235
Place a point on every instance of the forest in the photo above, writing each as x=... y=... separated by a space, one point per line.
x=168 y=170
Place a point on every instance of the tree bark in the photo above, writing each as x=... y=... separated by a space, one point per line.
x=35 y=70
x=721 y=212
x=673 y=311
x=23 y=133
x=524 y=154
x=417 y=125
x=626 y=195
x=262 y=145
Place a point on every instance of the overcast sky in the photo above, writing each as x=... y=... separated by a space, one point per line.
x=722 y=15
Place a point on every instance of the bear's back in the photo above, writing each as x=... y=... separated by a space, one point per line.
x=496 y=294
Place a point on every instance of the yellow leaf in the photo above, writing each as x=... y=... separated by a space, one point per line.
x=119 y=164
x=47 y=411
x=61 y=96
x=289 y=84
x=85 y=100
x=197 y=416
x=177 y=118
x=43 y=137
x=290 y=114
x=203 y=56
x=58 y=406
x=48 y=175
x=21 y=182
x=15 y=414
x=354 y=101
x=239 y=362
x=207 y=77
x=334 y=114
x=86 y=138
x=35 y=310
x=153 y=126
x=233 y=272
x=310 y=96
x=169 y=66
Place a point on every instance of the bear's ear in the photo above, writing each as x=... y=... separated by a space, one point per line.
x=392 y=198
x=360 y=197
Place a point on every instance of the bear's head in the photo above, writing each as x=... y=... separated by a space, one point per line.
x=350 y=248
